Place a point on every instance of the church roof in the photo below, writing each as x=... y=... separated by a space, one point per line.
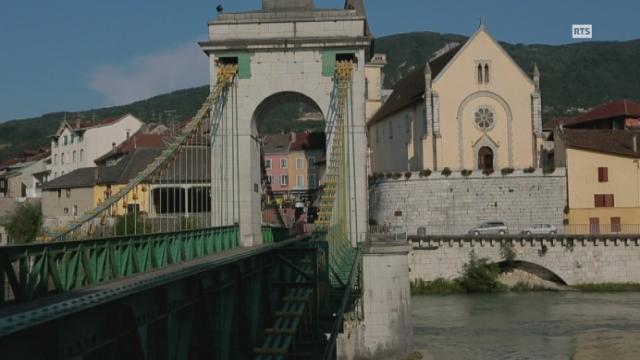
x=411 y=88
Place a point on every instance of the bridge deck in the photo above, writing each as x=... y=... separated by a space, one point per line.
x=22 y=316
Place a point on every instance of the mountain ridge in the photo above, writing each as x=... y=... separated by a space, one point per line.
x=573 y=76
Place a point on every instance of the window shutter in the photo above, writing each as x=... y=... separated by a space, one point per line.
x=603 y=174
x=609 y=201
x=616 y=224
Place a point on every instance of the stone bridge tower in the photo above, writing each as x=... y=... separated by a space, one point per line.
x=286 y=51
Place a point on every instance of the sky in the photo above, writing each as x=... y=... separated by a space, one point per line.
x=73 y=55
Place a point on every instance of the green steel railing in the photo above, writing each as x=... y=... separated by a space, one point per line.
x=272 y=235
x=33 y=271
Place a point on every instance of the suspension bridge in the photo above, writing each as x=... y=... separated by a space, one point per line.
x=177 y=264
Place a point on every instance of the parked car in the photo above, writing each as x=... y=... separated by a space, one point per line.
x=490 y=227
x=540 y=229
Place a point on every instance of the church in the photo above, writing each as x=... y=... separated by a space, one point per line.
x=470 y=107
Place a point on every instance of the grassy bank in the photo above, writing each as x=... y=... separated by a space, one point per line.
x=608 y=287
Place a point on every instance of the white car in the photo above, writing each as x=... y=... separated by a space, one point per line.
x=540 y=229
x=490 y=228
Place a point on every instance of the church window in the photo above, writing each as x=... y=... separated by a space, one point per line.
x=486 y=73
x=484 y=118
x=479 y=73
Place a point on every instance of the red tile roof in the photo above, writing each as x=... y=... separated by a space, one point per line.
x=619 y=142
x=139 y=140
x=309 y=141
x=614 y=109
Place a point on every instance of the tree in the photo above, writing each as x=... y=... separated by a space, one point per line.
x=25 y=223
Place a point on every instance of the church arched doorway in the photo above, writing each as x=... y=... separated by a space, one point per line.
x=485 y=159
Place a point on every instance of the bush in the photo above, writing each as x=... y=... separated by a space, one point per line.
x=425 y=173
x=24 y=224
x=397 y=175
x=566 y=210
x=479 y=275
x=506 y=171
x=548 y=170
x=466 y=172
x=407 y=175
x=132 y=223
x=529 y=170
x=388 y=175
x=438 y=286
x=507 y=252
x=446 y=172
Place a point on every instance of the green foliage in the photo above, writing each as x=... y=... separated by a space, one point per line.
x=507 y=251
x=575 y=75
x=446 y=172
x=438 y=286
x=25 y=223
x=608 y=287
x=506 y=171
x=466 y=173
x=529 y=170
x=548 y=170
x=132 y=223
x=407 y=175
x=480 y=276
x=425 y=173
x=397 y=175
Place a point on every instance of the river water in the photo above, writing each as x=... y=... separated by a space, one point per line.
x=545 y=326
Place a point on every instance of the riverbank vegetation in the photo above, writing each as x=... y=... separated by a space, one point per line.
x=608 y=287
x=479 y=275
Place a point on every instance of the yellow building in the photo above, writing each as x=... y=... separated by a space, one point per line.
x=470 y=107
x=603 y=180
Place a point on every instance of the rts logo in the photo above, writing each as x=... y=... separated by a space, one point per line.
x=582 y=31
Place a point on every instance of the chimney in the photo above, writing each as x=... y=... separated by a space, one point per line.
x=635 y=142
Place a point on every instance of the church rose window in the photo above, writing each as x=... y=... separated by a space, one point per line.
x=484 y=118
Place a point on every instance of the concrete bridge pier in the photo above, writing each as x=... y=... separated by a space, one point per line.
x=386 y=331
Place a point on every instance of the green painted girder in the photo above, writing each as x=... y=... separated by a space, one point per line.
x=39 y=270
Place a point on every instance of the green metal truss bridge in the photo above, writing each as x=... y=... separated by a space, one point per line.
x=146 y=276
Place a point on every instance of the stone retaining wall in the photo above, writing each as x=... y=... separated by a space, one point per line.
x=452 y=205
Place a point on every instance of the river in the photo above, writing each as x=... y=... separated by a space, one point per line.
x=515 y=326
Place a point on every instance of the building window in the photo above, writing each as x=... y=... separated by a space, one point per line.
x=72 y=138
x=62 y=158
x=486 y=73
x=603 y=174
x=66 y=140
x=299 y=164
x=55 y=159
x=484 y=118
x=59 y=193
x=606 y=200
x=81 y=155
x=269 y=180
x=74 y=156
x=268 y=164
x=313 y=182
x=300 y=181
x=284 y=180
x=479 y=73
x=68 y=191
x=616 y=225
x=312 y=162
x=75 y=210
x=66 y=211
x=284 y=163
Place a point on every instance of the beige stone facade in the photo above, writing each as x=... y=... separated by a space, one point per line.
x=472 y=107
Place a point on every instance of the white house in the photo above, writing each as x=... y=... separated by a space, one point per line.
x=77 y=145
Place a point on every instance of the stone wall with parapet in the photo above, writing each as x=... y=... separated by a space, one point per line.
x=580 y=260
x=454 y=204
